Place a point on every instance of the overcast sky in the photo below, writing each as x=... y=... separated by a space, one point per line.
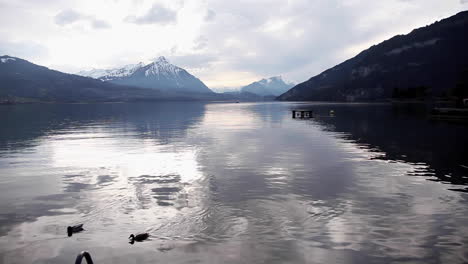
x=224 y=43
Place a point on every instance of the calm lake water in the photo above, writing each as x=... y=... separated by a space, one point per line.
x=232 y=183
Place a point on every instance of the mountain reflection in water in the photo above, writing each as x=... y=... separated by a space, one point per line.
x=403 y=133
x=232 y=183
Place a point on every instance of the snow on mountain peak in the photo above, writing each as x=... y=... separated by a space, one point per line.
x=268 y=86
x=161 y=59
x=270 y=80
x=161 y=66
x=110 y=74
x=5 y=59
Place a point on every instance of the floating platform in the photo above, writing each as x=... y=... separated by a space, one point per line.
x=302 y=113
x=449 y=113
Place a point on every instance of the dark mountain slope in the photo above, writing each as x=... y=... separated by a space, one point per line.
x=430 y=60
x=24 y=80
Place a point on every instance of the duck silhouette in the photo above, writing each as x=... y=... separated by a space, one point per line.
x=138 y=237
x=74 y=229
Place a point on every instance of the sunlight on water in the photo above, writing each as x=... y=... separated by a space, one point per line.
x=135 y=157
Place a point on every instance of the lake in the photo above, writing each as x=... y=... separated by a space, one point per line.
x=232 y=183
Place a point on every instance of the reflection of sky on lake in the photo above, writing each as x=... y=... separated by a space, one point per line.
x=219 y=183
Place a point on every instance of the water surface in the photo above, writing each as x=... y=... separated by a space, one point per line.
x=232 y=183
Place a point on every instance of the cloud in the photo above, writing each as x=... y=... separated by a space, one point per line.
x=28 y=50
x=71 y=16
x=66 y=17
x=200 y=43
x=193 y=61
x=277 y=41
x=300 y=38
x=158 y=14
x=97 y=23
x=210 y=15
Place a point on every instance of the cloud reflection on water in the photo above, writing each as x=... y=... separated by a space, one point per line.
x=234 y=183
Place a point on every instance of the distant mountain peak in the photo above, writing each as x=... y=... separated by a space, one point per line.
x=268 y=86
x=161 y=66
x=161 y=60
x=272 y=79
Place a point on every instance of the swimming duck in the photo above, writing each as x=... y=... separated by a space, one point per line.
x=138 y=237
x=74 y=229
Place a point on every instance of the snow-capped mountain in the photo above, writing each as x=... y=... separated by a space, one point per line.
x=272 y=86
x=23 y=81
x=110 y=74
x=159 y=74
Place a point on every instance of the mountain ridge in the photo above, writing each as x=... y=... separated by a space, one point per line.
x=430 y=58
x=21 y=80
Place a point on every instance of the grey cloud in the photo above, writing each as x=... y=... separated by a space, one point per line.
x=314 y=36
x=96 y=23
x=67 y=17
x=200 y=43
x=210 y=15
x=71 y=16
x=273 y=53
x=158 y=14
